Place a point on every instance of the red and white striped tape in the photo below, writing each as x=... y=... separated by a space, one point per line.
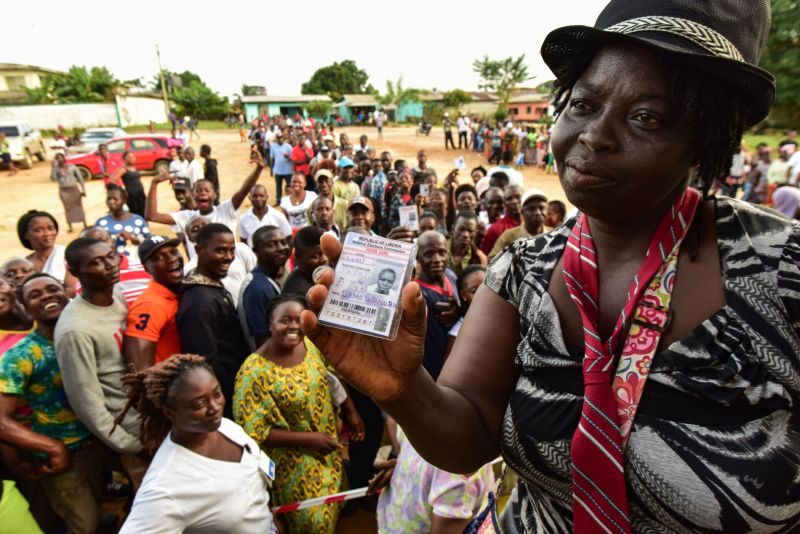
x=327 y=499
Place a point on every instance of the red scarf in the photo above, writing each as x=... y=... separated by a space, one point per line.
x=600 y=501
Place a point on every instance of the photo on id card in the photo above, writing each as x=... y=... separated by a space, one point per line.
x=369 y=277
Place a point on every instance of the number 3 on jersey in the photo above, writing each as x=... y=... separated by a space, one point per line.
x=144 y=318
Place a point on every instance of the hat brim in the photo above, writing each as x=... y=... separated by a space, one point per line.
x=756 y=87
x=359 y=205
x=175 y=242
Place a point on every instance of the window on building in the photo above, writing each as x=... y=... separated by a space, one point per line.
x=528 y=110
x=15 y=83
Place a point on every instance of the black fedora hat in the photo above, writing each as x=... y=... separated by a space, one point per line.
x=722 y=37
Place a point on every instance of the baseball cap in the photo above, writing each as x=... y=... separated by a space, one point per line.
x=360 y=201
x=182 y=184
x=328 y=137
x=344 y=161
x=323 y=172
x=533 y=194
x=153 y=243
x=324 y=148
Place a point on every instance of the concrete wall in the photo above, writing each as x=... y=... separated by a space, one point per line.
x=132 y=110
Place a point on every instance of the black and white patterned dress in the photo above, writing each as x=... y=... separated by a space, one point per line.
x=715 y=446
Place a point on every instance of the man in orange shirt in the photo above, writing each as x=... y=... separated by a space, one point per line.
x=151 y=334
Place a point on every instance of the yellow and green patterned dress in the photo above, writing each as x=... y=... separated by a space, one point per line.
x=297 y=399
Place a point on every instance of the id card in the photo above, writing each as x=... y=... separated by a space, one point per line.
x=460 y=163
x=409 y=217
x=365 y=294
x=267 y=468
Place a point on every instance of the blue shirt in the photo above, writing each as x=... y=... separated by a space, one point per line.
x=257 y=295
x=283 y=164
x=135 y=225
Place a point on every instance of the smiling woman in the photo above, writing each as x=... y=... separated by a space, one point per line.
x=644 y=368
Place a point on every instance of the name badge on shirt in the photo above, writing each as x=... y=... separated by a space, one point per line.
x=267 y=467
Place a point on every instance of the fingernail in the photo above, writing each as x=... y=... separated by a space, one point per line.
x=317 y=272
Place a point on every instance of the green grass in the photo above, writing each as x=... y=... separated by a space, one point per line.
x=770 y=139
x=201 y=125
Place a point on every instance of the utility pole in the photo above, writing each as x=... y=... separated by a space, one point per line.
x=163 y=85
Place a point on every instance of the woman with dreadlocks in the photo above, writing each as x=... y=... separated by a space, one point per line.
x=638 y=367
x=207 y=475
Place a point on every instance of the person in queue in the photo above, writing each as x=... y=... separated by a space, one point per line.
x=204 y=197
x=462 y=249
x=324 y=179
x=38 y=231
x=64 y=454
x=322 y=217
x=534 y=213
x=272 y=250
x=308 y=256
x=208 y=324
x=261 y=214
x=151 y=332
x=513 y=217
x=15 y=271
x=206 y=474
x=639 y=110
x=88 y=339
x=283 y=401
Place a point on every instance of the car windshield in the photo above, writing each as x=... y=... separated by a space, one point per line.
x=10 y=131
x=96 y=136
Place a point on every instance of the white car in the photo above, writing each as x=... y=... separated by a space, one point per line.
x=94 y=137
x=24 y=142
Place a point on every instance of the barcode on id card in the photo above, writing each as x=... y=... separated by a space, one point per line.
x=354 y=307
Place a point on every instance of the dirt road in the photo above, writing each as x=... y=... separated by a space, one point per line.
x=33 y=189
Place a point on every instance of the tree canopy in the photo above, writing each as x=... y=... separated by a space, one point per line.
x=191 y=95
x=501 y=76
x=79 y=84
x=782 y=58
x=337 y=80
x=396 y=95
x=456 y=98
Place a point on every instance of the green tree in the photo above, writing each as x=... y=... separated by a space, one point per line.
x=501 y=76
x=319 y=109
x=79 y=84
x=546 y=88
x=253 y=90
x=396 y=95
x=782 y=58
x=337 y=80
x=456 y=98
x=199 y=100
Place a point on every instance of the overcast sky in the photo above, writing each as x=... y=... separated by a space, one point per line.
x=431 y=43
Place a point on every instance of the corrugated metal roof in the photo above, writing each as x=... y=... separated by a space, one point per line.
x=269 y=99
x=521 y=99
x=357 y=100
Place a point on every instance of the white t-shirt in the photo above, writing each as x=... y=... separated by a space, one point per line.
x=244 y=261
x=249 y=223
x=297 y=214
x=178 y=168
x=225 y=214
x=194 y=171
x=794 y=165
x=56 y=264
x=186 y=492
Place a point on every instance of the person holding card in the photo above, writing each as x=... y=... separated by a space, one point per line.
x=401 y=198
x=637 y=367
x=207 y=474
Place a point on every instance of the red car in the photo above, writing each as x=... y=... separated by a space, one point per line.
x=151 y=152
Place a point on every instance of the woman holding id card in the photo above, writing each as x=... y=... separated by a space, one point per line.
x=207 y=474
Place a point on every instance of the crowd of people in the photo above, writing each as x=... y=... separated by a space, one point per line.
x=194 y=363
x=131 y=352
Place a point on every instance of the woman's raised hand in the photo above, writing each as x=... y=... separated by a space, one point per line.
x=377 y=367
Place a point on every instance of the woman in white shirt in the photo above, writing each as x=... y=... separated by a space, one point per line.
x=295 y=205
x=207 y=475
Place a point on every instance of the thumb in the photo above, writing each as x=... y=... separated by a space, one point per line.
x=414 y=310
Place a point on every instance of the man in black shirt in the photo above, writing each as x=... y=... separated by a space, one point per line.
x=207 y=318
x=308 y=256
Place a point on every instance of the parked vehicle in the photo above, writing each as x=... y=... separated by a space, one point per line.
x=93 y=137
x=25 y=142
x=424 y=128
x=151 y=152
